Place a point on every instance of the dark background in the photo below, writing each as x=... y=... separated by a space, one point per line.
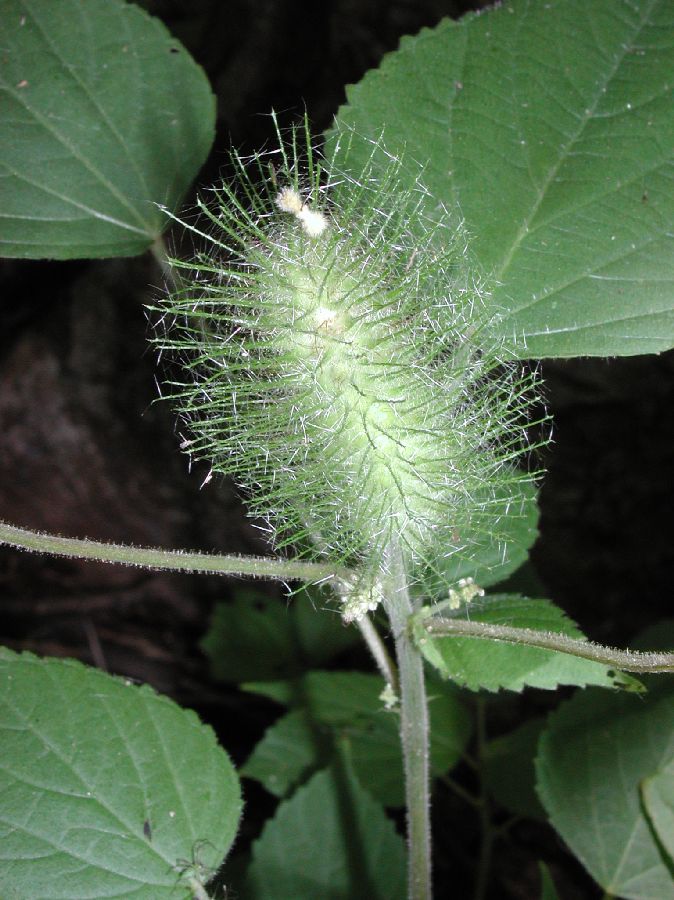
x=85 y=451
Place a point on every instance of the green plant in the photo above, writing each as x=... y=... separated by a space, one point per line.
x=351 y=332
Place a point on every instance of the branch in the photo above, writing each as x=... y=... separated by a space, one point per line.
x=173 y=560
x=379 y=652
x=414 y=729
x=627 y=660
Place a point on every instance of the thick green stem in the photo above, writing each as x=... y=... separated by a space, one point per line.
x=627 y=660
x=414 y=732
x=175 y=560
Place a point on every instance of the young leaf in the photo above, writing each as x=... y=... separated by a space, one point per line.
x=104 y=115
x=109 y=790
x=477 y=663
x=596 y=751
x=658 y=795
x=330 y=840
x=551 y=125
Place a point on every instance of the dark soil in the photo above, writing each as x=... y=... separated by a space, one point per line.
x=85 y=451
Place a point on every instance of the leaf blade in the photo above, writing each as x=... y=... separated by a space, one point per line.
x=105 y=116
x=592 y=757
x=561 y=167
x=481 y=664
x=658 y=794
x=341 y=712
x=366 y=860
x=106 y=786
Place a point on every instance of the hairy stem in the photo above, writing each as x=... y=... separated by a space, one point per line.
x=627 y=660
x=414 y=731
x=379 y=652
x=174 y=560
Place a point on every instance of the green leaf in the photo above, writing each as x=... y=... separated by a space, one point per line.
x=104 y=115
x=342 y=712
x=263 y=637
x=490 y=557
x=481 y=663
x=550 y=126
x=330 y=840
x=283 y=692
x=370 y=735
x=597 y=749
x=508 y=770
x=108 y=790
x=658 y=796
x=451 y=725
x=289 y=749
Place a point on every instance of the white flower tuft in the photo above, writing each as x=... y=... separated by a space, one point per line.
x=465 y=591
x=314 y=223
x=288 y=200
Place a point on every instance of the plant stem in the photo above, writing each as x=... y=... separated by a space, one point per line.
x=627 y=660
x=198 y=891
x=413 y=728
x=174 y=560
x=379 y=652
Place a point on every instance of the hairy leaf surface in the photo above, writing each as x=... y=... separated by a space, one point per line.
x=108 y=789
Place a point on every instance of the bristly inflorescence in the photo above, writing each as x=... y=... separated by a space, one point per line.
x=339 y=361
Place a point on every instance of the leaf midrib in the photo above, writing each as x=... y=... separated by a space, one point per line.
x=565 y=149
x=146 y=227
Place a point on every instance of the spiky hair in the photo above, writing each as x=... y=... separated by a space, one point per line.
x=340 y=361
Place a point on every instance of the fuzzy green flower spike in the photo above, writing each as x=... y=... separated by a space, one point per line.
x=340 y=364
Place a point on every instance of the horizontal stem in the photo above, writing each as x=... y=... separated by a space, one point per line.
x=627 y=660
x=173 y=560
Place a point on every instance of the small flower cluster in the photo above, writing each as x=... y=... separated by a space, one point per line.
x=340 y=362
x=465 y=591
